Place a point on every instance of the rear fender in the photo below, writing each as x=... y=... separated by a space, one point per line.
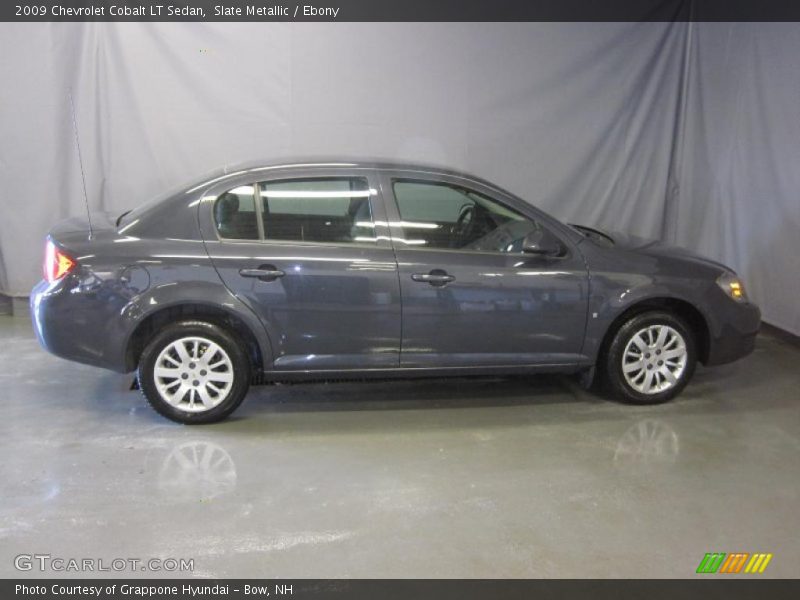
x=215 y=296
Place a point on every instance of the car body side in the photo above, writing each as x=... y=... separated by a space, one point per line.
x=158 y=265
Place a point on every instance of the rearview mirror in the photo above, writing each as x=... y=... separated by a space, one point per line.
x=542 y=243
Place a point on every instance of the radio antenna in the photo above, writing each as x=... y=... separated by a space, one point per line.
x=80 y=162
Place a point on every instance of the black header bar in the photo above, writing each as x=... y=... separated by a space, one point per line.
x=707 y=588
x=399 y=10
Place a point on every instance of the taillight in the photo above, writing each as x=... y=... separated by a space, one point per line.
x=56 y=263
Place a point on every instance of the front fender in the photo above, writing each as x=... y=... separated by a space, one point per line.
x=621 y=280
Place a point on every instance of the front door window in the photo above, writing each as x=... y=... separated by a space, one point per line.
x=438 y=215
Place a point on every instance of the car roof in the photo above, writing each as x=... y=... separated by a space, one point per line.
x=230 y=170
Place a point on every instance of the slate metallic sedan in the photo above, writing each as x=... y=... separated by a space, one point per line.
x=374 y=270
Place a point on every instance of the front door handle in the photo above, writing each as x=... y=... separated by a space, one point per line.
x=436 y=278
x=263 y=273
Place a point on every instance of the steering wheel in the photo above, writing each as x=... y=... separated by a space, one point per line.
x=464 y=224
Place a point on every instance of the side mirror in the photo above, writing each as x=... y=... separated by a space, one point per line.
x=542 y=243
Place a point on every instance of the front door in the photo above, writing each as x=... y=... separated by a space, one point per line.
x=470 y=296
x=308 y=254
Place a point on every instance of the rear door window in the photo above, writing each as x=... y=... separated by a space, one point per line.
x=325 y=210
x=235 y=214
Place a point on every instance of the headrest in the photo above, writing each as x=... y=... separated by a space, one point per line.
x=227 y=205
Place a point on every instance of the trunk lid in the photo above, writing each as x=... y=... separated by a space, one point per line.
x=101 y=221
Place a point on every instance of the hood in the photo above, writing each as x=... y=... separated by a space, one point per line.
x=647 y=246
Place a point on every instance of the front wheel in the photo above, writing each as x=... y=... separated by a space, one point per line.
x=194 y=372
x=651 y=358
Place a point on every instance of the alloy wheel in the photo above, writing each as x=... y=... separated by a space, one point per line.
x=654 y=359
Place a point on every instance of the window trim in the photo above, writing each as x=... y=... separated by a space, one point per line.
x=259 y=210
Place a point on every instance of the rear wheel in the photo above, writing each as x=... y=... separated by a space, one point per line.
x=651 y=358
x=194 y=372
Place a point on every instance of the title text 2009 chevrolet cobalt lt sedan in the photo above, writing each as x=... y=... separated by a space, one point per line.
x=355 y=270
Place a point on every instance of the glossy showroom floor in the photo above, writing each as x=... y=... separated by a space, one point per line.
x=460 y=478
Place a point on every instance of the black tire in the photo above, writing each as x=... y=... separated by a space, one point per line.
x=614 y=376
x=239 y=369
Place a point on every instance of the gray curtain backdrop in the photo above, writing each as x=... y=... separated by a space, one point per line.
x=687 y=132
x=739 y=198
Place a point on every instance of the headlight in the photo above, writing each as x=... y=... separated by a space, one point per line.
x=732 y=286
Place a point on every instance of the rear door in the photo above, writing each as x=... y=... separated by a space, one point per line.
x=470 y=296
x=309 y=252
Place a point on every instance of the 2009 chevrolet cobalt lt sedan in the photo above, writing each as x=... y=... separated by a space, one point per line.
x=363 y=269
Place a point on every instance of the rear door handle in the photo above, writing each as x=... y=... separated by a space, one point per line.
x=436 y=278
x=263 y=273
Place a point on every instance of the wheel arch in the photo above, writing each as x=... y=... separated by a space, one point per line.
x=198 y=311
x=684 y=309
